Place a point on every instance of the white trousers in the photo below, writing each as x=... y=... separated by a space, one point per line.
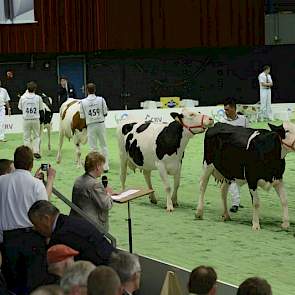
x=235 y=194
x=2 y=116
x=32 y=134
x=97 y=131
x=265 y=104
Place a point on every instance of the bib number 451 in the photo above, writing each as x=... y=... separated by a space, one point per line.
x=93 y=112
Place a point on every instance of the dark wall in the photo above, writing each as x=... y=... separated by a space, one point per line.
x=64 y=26
x=129 y=77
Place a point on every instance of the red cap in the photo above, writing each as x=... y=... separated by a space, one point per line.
x=59 y=253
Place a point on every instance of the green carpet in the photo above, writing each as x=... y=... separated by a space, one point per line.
x=231 y=248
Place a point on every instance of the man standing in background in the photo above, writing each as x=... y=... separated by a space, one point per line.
x=4 y=102
x=31 y=104
x=94 y=109
x=65 y=90
x=265 y=83
x=232 y=118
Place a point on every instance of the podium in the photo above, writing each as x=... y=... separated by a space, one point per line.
x=125 y=197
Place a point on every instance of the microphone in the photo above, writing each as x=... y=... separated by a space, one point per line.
x=104 y=181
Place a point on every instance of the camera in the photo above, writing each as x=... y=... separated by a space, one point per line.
x=44 y=167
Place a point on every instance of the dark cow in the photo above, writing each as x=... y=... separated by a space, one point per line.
x=151 y=146
x=255 y=156
x=71 y=126
x=45 y=118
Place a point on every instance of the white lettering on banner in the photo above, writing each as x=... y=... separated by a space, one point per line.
x=153 y=119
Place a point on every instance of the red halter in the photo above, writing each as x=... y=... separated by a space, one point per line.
x=289 y=146
x=189 y=128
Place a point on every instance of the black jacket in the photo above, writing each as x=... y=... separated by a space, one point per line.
x=63 y=94
x=82 y=236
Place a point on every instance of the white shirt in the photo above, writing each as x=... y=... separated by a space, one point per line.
x=240 y=120
x=4 y=97
x=264 y=78
x=93 y=109
x=19 y=190
x=30 y=104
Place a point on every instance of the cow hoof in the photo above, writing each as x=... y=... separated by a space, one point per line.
x=169 y=208
x=226 y=217
x=256 y=227
x=175 y=204
x=49 y=148
x=57 y=161
x=153 y=201
x=285 y=225
x=199 y=216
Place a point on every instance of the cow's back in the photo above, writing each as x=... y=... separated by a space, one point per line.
x=68 y=111
x=225 y=146
x=145 y=143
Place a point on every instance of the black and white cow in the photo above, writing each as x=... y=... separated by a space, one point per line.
x=159 y=146
x=252 y=156
x=45 y=118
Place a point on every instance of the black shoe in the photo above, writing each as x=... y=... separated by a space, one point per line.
x=37 y=156
x=241 y=206
x=234 y=209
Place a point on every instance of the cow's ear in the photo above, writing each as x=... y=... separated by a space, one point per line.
x=274 y=127
x=175 y=115
x=278 y=129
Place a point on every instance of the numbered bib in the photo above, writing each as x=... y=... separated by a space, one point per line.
x=30 y=111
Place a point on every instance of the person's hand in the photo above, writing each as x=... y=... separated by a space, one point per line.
x=39 y=174
x=51 y=173
x=110 y=191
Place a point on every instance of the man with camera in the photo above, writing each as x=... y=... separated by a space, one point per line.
x=24 y=249
x=91 y=195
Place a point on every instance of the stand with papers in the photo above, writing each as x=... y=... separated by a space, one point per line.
x=126 y=197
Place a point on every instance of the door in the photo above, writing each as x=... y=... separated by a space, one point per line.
x=73 y=67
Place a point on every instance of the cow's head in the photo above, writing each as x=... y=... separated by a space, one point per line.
x=286 y=132
x=193 y=121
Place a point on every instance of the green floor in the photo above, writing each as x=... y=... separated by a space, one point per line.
x=232 y=248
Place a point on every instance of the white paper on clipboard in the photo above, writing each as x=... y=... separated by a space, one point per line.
x=124 y=194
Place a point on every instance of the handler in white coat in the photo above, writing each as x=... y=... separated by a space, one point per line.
x=232 y=118
x=31 y=104
x=94 y=109
x=4 y=102
x=265 y=83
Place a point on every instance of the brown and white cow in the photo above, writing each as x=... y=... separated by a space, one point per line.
x=246 y=155
x=71 y=126
x=159 y=146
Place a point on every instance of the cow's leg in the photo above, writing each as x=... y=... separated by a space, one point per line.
x=176 y=186
x=123 y=172
x=224 y=191
x=280 y=189
x=147 y=177
x=41 y=137
x=60 y=143
x=207 y=171
x=49 y=135
x=255 y=205
x=77 y=143
x=164 y=176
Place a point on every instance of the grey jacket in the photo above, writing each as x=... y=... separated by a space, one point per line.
x=90 y=195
